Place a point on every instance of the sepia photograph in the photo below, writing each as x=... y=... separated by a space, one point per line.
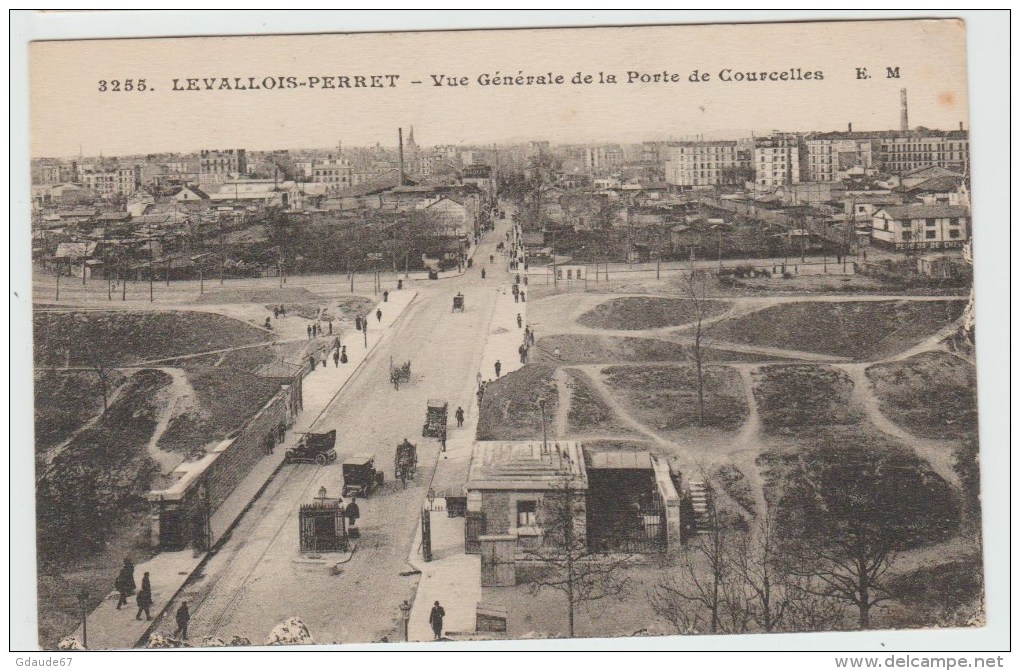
x=468 y=336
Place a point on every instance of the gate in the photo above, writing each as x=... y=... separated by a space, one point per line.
x=173 y=531
x=474 y=528
x=322 y=528
x=426 y=534
x=641 y=530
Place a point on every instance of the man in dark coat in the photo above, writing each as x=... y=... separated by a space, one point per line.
x=436 y=620
x=520 y=321
x=460 y=416
x=125 y=583
x=357 y=323
x=144 y=598
x=336 y=358
x=351 y=512
x=498 y=367
x=378 y=315
x=309 y=331
x=183 y=618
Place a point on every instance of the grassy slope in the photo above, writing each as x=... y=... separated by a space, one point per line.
x=666 y=397
x=592 y=349
x=855 y=329
x=119 y=338
x=588 y=413
x=803 y=396
x=510 y=407
x=645 y=312
x=932 y=394
x=64 y=400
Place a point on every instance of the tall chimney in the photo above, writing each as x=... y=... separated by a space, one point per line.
x=904 y=126
x=400 y=152
x=961 y=125
x=849 y=128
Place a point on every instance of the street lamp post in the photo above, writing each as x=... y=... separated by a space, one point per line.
x=83 y=602
x=545 y=438
x=405 y=617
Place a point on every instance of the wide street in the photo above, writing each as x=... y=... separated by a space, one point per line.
x=258 y=578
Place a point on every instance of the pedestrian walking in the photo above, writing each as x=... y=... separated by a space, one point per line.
x=270 y=443
x=125 y=583
x=336 y=358
x=309 y=331
x=436 y=620
x=357 y=323
x=520 y=321
x=325 y=357
x=268 y=324
x=311 y=361
x=386 y=297
x=525 y=277
x=144 y=598
x=276 y=312
x=331 y=327
x=523 y=352
x=281 y=432
x=378 y=315
x=460 y=416
x=522 y=296
x=498 y=367
x=483 y=273
x=343 y=354
x=183 y=618
x=517 y=296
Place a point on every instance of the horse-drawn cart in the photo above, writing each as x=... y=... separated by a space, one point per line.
x=458 y=303
x=436 y=413
x=405 y=463
x=401 y=373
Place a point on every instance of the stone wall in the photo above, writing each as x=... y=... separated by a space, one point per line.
x=250 y=446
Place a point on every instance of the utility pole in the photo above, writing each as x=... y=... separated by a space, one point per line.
x=57 y=298
x=151 y=273
x=123 y=282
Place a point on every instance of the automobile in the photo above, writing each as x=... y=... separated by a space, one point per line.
x=360 y=476
x=313 y=448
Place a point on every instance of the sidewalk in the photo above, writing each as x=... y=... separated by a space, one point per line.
x=110 y=629
x=453 y=577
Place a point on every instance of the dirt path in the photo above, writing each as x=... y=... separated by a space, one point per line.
x=176 y=398
x=748 y=444
x=607 y=397
x=939 y=454
x=564 y=391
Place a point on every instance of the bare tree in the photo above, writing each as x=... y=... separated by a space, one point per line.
x=564 y=560
x=847 y=513
x=703 y=591
x=696 y=288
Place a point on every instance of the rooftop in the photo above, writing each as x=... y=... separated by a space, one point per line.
x=526 y=465
x=927 y=211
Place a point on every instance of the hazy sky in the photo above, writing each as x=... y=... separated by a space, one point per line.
x=69 y=111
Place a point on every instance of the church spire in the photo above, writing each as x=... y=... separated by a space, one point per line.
x=410 y=136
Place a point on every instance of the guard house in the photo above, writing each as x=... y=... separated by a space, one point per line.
x=628 y=500
x=510 y=484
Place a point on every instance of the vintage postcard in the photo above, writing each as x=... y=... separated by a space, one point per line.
x=513 y=334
